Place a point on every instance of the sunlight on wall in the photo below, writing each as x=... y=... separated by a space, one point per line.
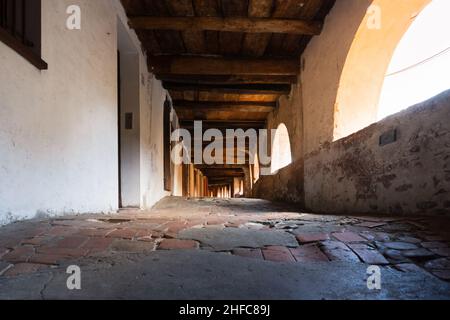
x=420 y=67
x=281 y=149
x=256 y=169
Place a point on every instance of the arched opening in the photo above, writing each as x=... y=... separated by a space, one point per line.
x=281 y=149
x=419 y=68
x=367 y=61
x=256 y=169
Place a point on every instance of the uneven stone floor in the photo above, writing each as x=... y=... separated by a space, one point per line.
x=225 y=249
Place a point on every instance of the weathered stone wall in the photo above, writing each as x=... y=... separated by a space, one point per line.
x=409 y=176
x=286 y=184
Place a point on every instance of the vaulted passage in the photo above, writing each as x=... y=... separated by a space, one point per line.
x=224 y=149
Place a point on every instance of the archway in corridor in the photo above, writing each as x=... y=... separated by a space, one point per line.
x=362 y=78
x=419 y=68
x=281 y=149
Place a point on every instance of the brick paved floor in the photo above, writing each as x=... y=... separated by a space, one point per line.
x=260 y=231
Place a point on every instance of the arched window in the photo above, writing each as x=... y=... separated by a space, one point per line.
x=420 y=66
x=281 y=149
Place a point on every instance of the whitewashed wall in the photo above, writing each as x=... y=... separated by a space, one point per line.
x=58 y=128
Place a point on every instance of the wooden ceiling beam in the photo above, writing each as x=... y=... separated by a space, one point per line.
x=204 y=106
x=225 y=79
x=203 y=65
x=248 y=89
x=229 y=24
x=224 y=124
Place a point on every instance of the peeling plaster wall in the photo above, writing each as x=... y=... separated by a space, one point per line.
x=58 y=127
x=410 y=176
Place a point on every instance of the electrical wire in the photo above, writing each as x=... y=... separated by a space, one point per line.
x=420 y=63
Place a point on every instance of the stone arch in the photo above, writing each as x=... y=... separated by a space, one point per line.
x=281 y=149
x=371 y=51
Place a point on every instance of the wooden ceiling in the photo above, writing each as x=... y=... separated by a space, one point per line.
x=226 y=62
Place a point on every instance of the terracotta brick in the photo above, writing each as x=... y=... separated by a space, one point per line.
x=308 y=253
x=175 y=227
x=348 y=237
x=174 y=244
x=3 y=251
x=93 y=232
x=23 y=268
x=97 y=244
x=47 y=259
x=146 y=239
x=37 y=241
x=248 y=253
x=312 y=237
x=64 y=252
x=143 y=233
x=71 y=242
x=123 y=234
x=19 y=254
x=278 y=254
x=60 y=231
x=122 y=245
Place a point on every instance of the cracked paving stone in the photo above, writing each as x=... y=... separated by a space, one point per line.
x=348 y=237
x=410 y=240
x=376 y=236
x=442 y=274
x=396 y=256
x=434 y=245
x=418 y=253
x=338 y=251
x=230 y=238
x=400 y=245
x=408 y=267
x=368 y=255
x=440 y=264
x=312 y=237
x=371 y=225
x=444 y=252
